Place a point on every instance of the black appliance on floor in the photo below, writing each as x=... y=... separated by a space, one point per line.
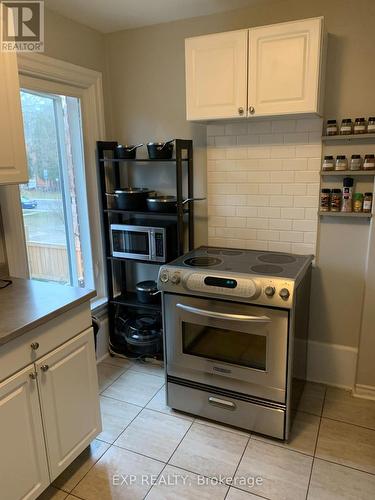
x=135 y=326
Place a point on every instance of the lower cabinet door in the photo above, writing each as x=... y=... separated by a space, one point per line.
x=68 y=388
x=23 y=462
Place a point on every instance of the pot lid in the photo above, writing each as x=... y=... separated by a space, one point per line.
x=132 y=190
x=146 y=286
x=162 y=199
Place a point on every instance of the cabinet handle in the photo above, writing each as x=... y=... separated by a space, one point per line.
x=251 y=110
x=240 y=110
x=34 y=346
x=44 y=368
x=33 y=375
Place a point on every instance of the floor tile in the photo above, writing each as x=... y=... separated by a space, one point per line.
x=134 y=387
x=118 y=361
x=52 y=493
x=116 y=415
x=284 y=473
x=224 y=427
x=304 y=434
x=105 y=479
x=158 y=403
x=154 y=434
x=80 y=466
x=174 y=483
x=235 y=494
x=107 y=374
x=347 y=444
x=209 y=451
x=335 y=482
x=341 y=405
x=149 y=367
x=312 y=398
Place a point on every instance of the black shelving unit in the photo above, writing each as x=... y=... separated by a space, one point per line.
x=109 y=168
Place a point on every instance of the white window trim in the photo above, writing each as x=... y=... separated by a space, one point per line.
x=87 y=84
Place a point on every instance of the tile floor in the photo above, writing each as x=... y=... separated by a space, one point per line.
x=147 y=450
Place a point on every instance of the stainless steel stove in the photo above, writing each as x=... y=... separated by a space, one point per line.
x=235 y=326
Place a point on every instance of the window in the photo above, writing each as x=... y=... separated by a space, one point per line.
x=54 y=202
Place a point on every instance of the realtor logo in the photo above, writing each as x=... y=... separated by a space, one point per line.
x=22 y=26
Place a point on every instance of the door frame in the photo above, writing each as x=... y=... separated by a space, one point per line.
x=87 y=84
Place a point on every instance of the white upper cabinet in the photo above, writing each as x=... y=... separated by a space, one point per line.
x=285 y=68
x=216 y=76
x=13 y=164
x=267 y=71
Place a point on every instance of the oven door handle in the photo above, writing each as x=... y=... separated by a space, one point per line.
x=219 y=315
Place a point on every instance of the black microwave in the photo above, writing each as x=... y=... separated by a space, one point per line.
x=144 y=240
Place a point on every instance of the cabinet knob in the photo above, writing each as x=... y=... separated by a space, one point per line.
x=34 y=346
x=240 y=111
x=251 y=110
x=44 y=368
x=33 y=375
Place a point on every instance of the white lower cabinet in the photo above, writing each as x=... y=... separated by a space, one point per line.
x=49 y=413
x=68 y=388
x=23 y=461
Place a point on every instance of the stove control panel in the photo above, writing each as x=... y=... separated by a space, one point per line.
x=219 y=285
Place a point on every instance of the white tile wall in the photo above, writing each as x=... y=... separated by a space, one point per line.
x=263 y=184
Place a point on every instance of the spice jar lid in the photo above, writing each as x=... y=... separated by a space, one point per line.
x=331 y=122
x=371 y=118
x=358 y=196
x=335 y=190
x=368 y=194
x=346 y=120
x=369 y=156
x=340 y=157
x=328 y=157
x=356 y=157
x=359 y=119
x=325 y=190
x=348 y=181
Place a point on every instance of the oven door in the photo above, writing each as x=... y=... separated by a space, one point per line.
x=131 y=242
x=238 y=347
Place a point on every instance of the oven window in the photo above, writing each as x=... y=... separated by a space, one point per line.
x=229 y=346
x=130 y=242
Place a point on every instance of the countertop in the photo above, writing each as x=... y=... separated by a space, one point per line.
x=26 y=304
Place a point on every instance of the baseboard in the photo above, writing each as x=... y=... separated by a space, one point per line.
x=364 y=391
x=331 y=364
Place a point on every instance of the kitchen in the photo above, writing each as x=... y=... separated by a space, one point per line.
x=143 y=75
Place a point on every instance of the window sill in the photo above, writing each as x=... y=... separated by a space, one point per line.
x=99 y=306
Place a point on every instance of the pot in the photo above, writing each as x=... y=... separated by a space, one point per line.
x=147 y=291
x=166 y=204
x=144 y=335
x=127 y=152
x=130 y=198
x=160 y=150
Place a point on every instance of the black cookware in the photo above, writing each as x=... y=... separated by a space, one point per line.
x=144 y=335
x=160 y=150
x=147 y=291
x=166 y=204
x=127 y=152
x=131 y=198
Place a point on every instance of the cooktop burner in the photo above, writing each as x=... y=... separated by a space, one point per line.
x=267 y=269
x=276 y=258
x=202 y=261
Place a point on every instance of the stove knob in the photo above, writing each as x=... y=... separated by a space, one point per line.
x=164 y=276
x=284 y=293
x=270 y=291
x=176 y=279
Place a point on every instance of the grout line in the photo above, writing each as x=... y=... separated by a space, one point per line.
x=346 y=466
x=151 y=487
x=114 y=445
x=120 y=400
x=166 y=414
x=238 y=464
x=349 y=423
x=183 y=437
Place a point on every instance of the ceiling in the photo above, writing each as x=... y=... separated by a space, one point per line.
x=114 y=15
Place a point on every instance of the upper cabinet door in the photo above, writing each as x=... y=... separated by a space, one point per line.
x=68 y=388
x=13 y=164
x=285 y=68
x=216 y=75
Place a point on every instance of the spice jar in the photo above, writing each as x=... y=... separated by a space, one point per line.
x=367 y=203
x=369 y=163
x=336 y=197
x=341 y=163
x=325 y=197
x=371 y=125
x=346 y=126
x=357 y=202
x=328 y=163
x=347 y=195
x=359 y=126
x=355 y=162
x=331 y=127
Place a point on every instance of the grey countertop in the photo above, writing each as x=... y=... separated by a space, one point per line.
x=26 y=304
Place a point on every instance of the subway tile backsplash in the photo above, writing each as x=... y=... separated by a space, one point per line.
x=263 y=184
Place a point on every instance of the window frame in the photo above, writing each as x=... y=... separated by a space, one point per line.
x=44 y=74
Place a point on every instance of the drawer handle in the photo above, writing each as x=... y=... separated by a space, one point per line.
x=44 y=368
x=222 y=403
x=33 y=375
x=34 y=346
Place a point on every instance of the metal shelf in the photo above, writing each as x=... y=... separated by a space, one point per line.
x=140 y=160
x=146 y=212
x=358 y=215
x=336 y=173
x=140 y=261
x=349 y=138
x=130 y=300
